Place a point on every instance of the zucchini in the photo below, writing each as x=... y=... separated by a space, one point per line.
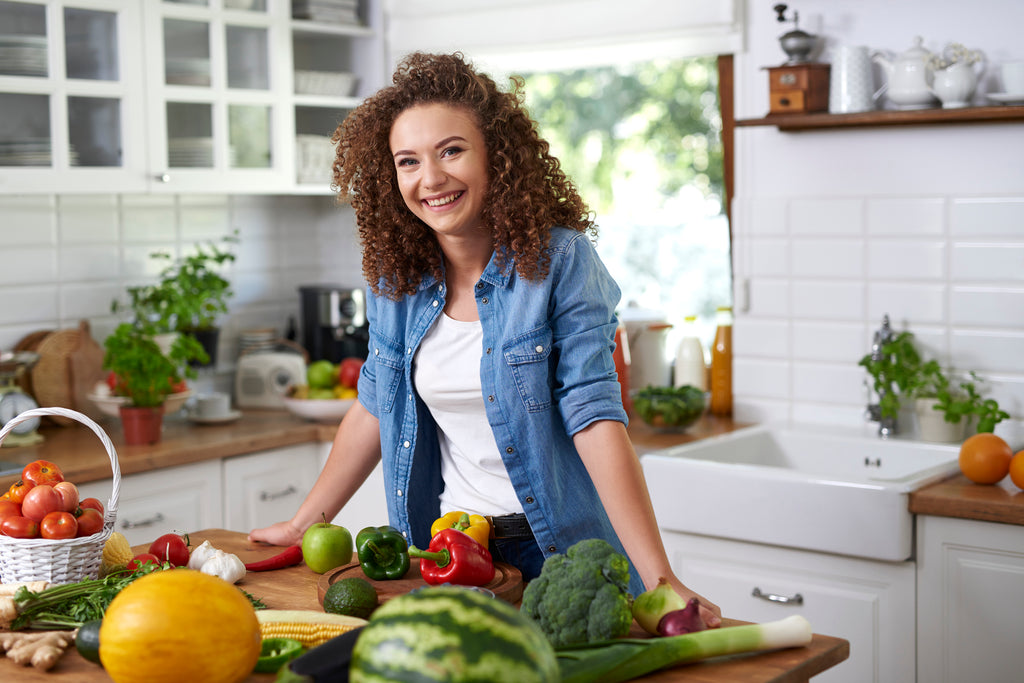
x=87 y=640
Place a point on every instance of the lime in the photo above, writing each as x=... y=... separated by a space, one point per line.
x=354 y=597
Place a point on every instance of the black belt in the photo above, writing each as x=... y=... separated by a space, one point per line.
x=510 y=526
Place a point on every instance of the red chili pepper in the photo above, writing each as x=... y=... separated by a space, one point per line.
x=454 y=557
x=287 y=558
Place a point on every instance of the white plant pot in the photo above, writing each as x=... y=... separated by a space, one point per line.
x=932 y=424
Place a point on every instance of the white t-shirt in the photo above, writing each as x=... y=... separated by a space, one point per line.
x=446 y=373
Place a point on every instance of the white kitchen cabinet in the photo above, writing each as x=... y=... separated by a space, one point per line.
x=367 y=507
x=225 y=96
x=267 y=487
x=869 y=603
x=173 y=499
x=970 y=600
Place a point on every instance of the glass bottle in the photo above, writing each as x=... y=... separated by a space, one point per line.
x=721 y=364
x=690 y=367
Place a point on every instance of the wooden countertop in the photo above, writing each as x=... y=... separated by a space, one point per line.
x=960 y=497
x=295 y=588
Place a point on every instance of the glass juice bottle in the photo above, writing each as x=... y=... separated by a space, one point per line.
x=721 y=364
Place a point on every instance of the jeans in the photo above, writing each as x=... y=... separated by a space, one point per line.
x=522 y=553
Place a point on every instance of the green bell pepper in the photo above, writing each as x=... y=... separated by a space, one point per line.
x=383 y=552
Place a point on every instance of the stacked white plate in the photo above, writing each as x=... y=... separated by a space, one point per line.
x=190 y=152
x=333 y=11
x=313 y=159
x=330 y=83
x=188 y=71
x=264 y=339
x=22 y=55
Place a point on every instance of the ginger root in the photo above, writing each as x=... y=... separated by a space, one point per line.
x=41 y=649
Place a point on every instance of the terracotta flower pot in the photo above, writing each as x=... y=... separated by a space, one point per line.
x=142 y=426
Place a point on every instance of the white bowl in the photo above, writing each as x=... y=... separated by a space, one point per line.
x=109 y=405
x=319 y=409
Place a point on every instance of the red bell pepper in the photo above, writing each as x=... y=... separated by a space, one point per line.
x=454 y=557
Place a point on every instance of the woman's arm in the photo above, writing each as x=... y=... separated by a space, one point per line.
x=356 y=451
x=615 y=470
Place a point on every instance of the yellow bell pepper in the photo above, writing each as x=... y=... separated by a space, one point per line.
x=475 y=526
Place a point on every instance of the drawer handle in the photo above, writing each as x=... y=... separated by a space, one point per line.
x=155 y=519
x=274 y=495
x=772 y=597
x=784 y=102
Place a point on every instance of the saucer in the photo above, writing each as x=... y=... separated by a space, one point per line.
x=1007 y=98
x=222 y=419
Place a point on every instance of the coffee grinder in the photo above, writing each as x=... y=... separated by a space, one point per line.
x=334 y=322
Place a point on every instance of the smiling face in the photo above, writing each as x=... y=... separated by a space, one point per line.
x=441 y=163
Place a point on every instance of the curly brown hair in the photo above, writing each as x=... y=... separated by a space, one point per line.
x=527 y=194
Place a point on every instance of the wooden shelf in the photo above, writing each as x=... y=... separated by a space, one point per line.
x=873 y=119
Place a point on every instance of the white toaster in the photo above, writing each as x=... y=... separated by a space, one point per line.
x=262 y=379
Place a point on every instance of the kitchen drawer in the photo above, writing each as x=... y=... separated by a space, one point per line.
x=869 y=603
x=173 y=499
x=268 y=487
x=798 y=88
x=787 y=102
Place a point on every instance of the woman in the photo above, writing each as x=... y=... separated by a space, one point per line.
x=490 y=386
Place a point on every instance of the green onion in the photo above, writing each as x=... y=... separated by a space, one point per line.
x=612 y=661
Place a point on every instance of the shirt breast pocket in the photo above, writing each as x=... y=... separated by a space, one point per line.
x=528 y=357
x=388 y=357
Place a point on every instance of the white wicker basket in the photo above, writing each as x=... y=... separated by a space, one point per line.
x=67 y=560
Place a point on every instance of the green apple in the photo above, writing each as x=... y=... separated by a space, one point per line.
x=326 y=546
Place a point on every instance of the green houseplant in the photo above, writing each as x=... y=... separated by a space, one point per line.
x=901 y=374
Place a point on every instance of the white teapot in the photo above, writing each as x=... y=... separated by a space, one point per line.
x=910 y=77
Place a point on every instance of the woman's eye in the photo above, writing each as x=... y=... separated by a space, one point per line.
x=406 y=161
x=449 y=151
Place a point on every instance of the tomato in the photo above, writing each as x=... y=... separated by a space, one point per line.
x=68 y=493
x=170 y=548
x=348 y=372
x=19 y=527
x=90 y=521
x=142 y=559
x=58 y=525
x=42 y=472
x=178 y=386
x=9 y=509
x=39 y=501
x=112 y=381
x=93 y=503
x=18 y=490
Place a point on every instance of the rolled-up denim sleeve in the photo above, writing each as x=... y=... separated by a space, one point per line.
x=582 y=318
x=367 y=385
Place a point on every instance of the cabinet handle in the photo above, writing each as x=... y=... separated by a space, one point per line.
x=274 y=495
x=150 y=521
x=164 y=177
x=772 y=597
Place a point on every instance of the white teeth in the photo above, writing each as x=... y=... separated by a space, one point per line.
x=444 y=200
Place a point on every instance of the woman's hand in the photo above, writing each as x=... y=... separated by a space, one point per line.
x=282 y=533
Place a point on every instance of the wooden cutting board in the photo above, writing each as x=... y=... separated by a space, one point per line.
x=51 y=376
x=507 y=583
x=85 y=364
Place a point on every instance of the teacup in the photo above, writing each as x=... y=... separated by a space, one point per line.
x=1013 y=77
x=211 y=406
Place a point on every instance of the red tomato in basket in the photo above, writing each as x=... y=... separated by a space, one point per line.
x=42 y=472
x=58 y=525
x=170 y=548
x=9 y=509
x=39 y=501
x=20 y=527
x=68 y=493
x=18 y=490
x=90 y=521
x=93 y=503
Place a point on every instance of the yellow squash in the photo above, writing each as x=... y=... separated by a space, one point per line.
x=179 y=625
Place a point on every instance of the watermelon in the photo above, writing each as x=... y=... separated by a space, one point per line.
x=451 y=634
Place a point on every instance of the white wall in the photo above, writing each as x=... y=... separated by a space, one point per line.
x=835 y=228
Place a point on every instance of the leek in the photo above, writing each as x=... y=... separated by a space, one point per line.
x=623 y=659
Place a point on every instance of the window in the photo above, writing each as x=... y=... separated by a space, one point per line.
x=643 y=143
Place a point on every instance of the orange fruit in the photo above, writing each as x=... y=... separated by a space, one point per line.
x=985 y=458
x=1017 y=470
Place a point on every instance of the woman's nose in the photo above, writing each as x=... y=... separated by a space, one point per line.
x=433 y=174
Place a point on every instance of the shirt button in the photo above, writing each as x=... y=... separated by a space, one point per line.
x=405 y=535
x=410 y=397
x=509 y=449
x=552 y=548
x=408 y=351
x=434 y=303
x=479 y=285
x=406 y=444
x=398 y=492
x=484 y=300
x=529 y=499
x=538 y=348
x=376 y=352
x=491 y=398
x=488 y=350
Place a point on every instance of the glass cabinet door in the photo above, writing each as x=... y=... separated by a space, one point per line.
x=222 y=91
x=72 y=103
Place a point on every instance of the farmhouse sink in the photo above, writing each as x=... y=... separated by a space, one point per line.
x=823 y=490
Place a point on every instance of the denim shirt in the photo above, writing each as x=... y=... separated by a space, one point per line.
x=546 y=371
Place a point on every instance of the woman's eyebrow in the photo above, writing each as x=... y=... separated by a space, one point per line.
x=439 y=145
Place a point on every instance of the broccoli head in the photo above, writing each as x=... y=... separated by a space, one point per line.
x=581 y=596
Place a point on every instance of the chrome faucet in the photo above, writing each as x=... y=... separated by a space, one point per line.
x=886 y=425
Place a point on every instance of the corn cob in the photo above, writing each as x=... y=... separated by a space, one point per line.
x=309 y=627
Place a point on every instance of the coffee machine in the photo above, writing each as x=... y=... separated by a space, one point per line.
x=334 y=322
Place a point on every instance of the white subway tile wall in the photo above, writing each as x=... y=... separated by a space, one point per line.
x=66 y=257
x=949 y=269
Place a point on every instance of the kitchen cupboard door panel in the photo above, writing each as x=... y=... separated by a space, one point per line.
x=870 y=604
x=367 y=507
x=267 y=487
x=970 y=595
x=174 y=499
